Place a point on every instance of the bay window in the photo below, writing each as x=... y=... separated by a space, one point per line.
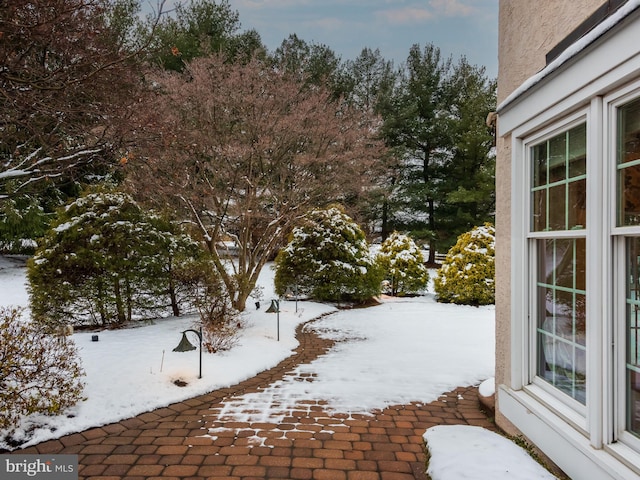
x=581 y=237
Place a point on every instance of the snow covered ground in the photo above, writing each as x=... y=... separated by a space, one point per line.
x=403 y=350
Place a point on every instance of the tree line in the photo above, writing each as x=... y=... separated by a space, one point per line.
x=198 y=119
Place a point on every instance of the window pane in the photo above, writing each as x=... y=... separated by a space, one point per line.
x=557 y=208
x=539 y=154
x=633 y=335
x=629 y=186
x=558 y=158
x=577 y=204
x=539 y=210
x=578 y=151
x=559 y=182
x=561 y=322
x=629 y=164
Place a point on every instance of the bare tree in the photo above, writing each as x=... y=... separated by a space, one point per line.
x=68 y=82
x=245 y=151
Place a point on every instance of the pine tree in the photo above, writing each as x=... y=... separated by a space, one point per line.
x=106 y=261
x=328 y=258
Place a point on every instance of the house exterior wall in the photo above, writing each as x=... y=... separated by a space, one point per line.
x=527 y=31
x=568 y=235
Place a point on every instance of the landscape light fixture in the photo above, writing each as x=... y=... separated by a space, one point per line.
x=186 y=346
x=275 y=308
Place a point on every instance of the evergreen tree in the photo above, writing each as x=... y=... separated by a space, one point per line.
x=197 y=29
x=468 y=177
x=370 y=84
x=328 y=258
x=436 y=125
x=311 y=63
x=106 y=261
x=404 y=265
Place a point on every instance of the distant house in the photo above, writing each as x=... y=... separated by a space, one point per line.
x=568 y=232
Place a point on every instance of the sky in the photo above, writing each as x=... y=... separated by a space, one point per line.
x=457 y=27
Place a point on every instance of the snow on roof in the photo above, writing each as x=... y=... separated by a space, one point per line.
x=573 y=50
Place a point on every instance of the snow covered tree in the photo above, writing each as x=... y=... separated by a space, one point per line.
x=328 y=258
x=403 y=263
x=243 y=150
x=39 y=371
x=467 y=275
x=106 y=261
x=22 y=219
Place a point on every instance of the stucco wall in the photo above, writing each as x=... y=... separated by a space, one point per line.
x=527 y=31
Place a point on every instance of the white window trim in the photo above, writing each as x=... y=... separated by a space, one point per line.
x=524 y=333
x=603 y=420
x=593 y=81
x=615 y=418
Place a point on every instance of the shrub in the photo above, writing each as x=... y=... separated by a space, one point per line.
x=106 y=261
x=39 y=372
x=221 y=323
x=328 y=258
x=403 y=264
x=22 y=220
x=468 y=272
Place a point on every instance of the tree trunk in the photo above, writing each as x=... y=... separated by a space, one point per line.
x=385 y=220
x=175 y=308
x=118 y=299
x=432 y=227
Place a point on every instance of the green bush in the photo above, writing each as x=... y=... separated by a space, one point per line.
x=467 y=275
x=39 y=372
x=403 y=264
x=105 y=261
x=328 y=258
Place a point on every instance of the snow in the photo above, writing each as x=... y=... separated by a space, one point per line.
x=404 y=350
x=454 y=447
x=573 y=50
x=488 y=387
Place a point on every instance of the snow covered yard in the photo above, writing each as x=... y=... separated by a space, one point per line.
x=404 y=350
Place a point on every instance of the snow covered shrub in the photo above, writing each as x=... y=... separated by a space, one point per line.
x=106 y=261
x=328 y=258
x=468 y=272
x=39 y=373
x=22 y=220
x=403 y=264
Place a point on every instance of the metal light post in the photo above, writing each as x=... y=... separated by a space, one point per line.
x=275 y=308
x=186 y=346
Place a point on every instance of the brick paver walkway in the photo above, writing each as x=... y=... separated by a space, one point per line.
x=194 y=439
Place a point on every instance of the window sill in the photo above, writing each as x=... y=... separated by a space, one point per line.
x=560 y=437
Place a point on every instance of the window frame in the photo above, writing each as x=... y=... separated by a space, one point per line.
x=616 y=416
x=570 y=409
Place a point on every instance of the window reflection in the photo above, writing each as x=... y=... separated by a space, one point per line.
x=559 y=181
x=561 y=321
x=633 y=335
x=629 y=164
